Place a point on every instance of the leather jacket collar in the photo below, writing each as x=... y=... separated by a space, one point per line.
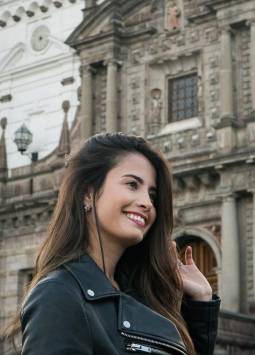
x=91 y=278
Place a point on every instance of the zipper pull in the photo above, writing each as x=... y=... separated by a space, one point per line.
x=138 y=348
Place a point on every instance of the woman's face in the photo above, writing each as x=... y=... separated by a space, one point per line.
x=125 y=206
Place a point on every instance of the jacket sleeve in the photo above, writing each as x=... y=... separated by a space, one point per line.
x=202 y=321
x=54 y=322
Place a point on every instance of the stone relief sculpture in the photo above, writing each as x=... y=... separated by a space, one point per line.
x=173 y=16
x=155 y=114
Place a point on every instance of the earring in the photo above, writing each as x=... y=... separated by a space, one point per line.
x=87 y=208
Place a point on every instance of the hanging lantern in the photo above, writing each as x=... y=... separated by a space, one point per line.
x=23 y=137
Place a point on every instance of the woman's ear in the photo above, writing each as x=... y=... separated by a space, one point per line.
x=88 y=198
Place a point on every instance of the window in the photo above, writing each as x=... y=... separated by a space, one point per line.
x=183 y=98
x=25 y=276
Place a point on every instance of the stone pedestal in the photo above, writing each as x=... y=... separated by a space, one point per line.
x=230 y=275
x=226 y=74
x=86 y=102
x=111 y=98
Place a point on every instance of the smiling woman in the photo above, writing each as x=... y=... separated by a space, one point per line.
x=108 y=280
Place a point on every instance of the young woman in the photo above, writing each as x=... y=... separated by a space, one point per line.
x=108 y=280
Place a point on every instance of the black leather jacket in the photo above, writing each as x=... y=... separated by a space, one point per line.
x=76 y=311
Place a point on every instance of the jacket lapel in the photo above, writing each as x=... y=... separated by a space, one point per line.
x=92 y=281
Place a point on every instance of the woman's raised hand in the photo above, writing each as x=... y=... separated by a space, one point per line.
x=195 y=285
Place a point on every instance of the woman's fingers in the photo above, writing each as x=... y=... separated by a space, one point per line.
x=188 y=256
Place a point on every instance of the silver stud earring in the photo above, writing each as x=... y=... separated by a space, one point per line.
x=87 y=208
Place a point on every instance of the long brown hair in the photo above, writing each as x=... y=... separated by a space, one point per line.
x=151 y=265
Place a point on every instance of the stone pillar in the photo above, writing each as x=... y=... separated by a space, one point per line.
x=111 y=97
x=230 y=275
x=226 y=74
x=86 y=102
x=253 y=252
x=252 y=63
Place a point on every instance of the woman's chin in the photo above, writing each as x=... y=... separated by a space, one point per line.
x=132 y=240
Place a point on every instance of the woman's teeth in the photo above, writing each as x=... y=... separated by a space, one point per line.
x=135 y=218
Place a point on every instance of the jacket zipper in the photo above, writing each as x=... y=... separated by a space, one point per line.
x=133 y=347
x=154 y=342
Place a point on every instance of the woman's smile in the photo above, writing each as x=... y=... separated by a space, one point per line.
x=136 y=218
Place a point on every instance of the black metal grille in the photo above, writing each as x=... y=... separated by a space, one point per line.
x=183 y=100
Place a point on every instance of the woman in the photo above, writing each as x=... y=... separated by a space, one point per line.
x=108 y=280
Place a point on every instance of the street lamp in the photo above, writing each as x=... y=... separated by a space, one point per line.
x=23 y=138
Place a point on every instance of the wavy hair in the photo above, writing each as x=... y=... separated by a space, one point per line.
x=151 y=264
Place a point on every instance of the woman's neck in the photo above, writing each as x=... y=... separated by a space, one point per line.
x=111 y=258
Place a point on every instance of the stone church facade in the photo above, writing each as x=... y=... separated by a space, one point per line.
x=182 y=74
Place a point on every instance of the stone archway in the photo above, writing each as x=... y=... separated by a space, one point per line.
x=206 y=251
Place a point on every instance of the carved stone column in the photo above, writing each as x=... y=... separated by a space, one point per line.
x=86 y=102
x=230 y=275
x=226 y=74
x=252 y=62
x=111 y=97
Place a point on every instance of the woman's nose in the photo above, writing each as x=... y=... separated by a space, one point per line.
x=145 y=202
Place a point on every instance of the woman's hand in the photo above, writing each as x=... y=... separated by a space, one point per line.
x=195 y=285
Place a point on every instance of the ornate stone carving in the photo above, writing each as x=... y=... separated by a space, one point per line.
x=214 y=95
x=180 y=142
x=155 y=113
x=181 y=41
x=135 y=98
x=153 y=49
x=135 y=83
x=211 y=35
x=195 y=140
x=136 y=56
x=172 y=16
x=194 y=36
x=215 y=113
x=213 y=62
x=214 y=78
x=167 y=146
x=165 y=44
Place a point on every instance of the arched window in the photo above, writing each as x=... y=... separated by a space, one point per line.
x=203 y=256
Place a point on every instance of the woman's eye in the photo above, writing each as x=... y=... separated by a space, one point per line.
x=133 y=184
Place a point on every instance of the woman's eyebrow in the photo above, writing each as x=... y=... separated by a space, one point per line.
x=140 y=180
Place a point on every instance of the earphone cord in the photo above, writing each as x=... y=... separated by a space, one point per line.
x=99 y=235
